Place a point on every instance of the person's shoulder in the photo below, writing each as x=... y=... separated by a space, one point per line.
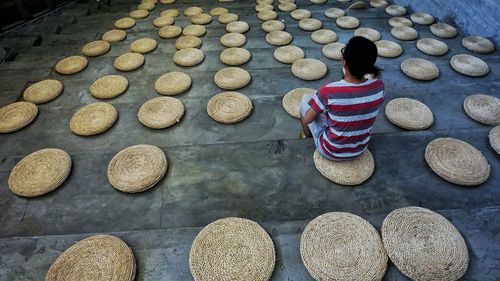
x=332 y=85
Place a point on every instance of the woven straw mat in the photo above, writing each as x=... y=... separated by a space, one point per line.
x=289 y=54
x=273 y=25
x=478 y=44
x=469 y=65
x=233 y=40
x=15 y=116
x=369 y=33
x=494 y=138
x=409 y=114
x=291 y=101
x=333 y=50
x=93 y=119
x=443 y=30
x=170 y=31
x=96 y=48
x=432 y=47
x=194 y=30
x=484 y=109
x=388 y=49
x=114 y=35
x=125 y=23
x=324 y=36
x=420 y=69
x=237 y=27
x=235 y=56
x=396 y=10
x=109 y=86
x=71 y=65
x=309 y=69
x=161 y=112
x=173 y=83
x=232 y=78
x=422 y=18
x=279 y=38
x=229 y=107
x=43 y=91
x=351 y=172
x=189 y=57
x=129 y=61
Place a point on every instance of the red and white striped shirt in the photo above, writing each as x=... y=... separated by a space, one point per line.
x=351 y=111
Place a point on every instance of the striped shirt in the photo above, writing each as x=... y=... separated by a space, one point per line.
x=351 y=110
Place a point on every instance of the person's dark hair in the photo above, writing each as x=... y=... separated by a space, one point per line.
x=360 y=55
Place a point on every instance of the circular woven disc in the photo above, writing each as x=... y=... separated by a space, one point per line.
x=424 y=245
x=15 y=116
x=422 y=18
x=291 y=101
x=170 y=12
x=310 y=24
x=469 y=65
x=125 y=23
x=265 y=1
x=71 y=65
x=201 y=19
x=420 y=69
x=324 y=36
x=388 y=49
x=443 y=30
x=143 y=45
x=309 y=69
x=333 y=50
x=129 y=61
x=139 y=14
x=287 y=7
x=300 y=14
x=114 y=35
x=96 y=48
x=43 y=91
x=218 y=11
x=484 y=109
x=267 y=15
x=173 y=83
x=347 y=22
x=432 y=47
x=227 y=18
x=369 y=33
x=457 y=161
x=40 y=172
x=334 y=13
x=232 y=249
x=379 y=3
x=229 y=107
x=233 y=40
x=350 y=172
x=494 y=138
x=189 y=57
x=478 y=44
x=279 y=38
x=170 y=31
x=187 y=42
x=235 y=56
x=191 y=11
x=400 y=21
x=232 y=78
x=273 y=25
x=194 y=30
x=137 y=168
x=163 y=21
x=289 y=54
x=342 y=246
x=161 y=112
x=264 y=6
x=237 y=27
x=409 y=114
x=109 y=86
x=98 y=258
x=148 y=6
x=404 y=33
x=395 y=10
x=93 y=119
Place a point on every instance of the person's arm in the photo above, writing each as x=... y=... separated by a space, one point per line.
x=306 y=120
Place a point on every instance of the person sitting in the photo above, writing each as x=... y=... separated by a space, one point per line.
x=340 y=116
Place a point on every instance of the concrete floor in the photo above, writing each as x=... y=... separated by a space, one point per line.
x=257 y=169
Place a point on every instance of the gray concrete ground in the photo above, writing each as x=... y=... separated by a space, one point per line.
x=257 y=169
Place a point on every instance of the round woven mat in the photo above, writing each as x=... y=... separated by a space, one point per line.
x=218 y=11
x=97 y=258
x=279 y=38
x=424 y=245
x=273 y=25
x=422 y=18
x=358 y=5
x=170 y=31
x=388 y=49
x=420 y=69
x=125 y=23
x=342 y=246
x=333 y=50
x=149 y=6
x=334 y=13
x=232 y=78
x=395 y=10
x=173 y=83
x=264 y=6
x=170 y=12
x=189 y=57
x=191 y=11
x=409 y=114
x=137 y=168
x=457 y=161
x=291 y=101
x=309 y=69
x=43 y=91
x=232 y=249
x=15 y=116
x=324 y=36
x=321 y=1
x=432 y=47
x=233 y=40
x=168 y=1
x=139 y=14
x=300 y=14
x=484 y=109
x=369 y=33
x=404 y=33
x=163 y=21
x=129 y=61
x=40 y=172
x=494 y=138
x=228 y=18
x=350 y=172
x=229 y=107
x=114 y=35
x=289 y=54
x=265 y=1
x=478 y=44
x=310 y=24
x=161 y=112
x=188 y=42
x=347 y=22
x=379 y=3
x=93 y=119
x=469 y=65
x=400 y=21
x=237 y=27
x=443 y=30
x=143 y=45
x=201 y=19
x=71 y=65
x=109 y=86
x=287 y=7
x=267 y=15
x=235 y=56
x=96 y=48
x=194 y=30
